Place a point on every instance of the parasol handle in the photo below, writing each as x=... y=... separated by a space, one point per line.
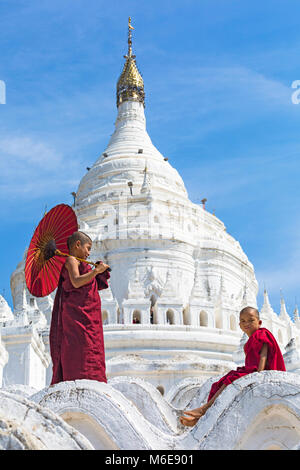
x=59 y=253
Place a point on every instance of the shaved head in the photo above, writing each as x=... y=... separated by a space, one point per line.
x=250 y=310
x=81 y=236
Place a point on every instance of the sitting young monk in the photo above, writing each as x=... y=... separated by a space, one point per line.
x=262 y=353
x=76 y=333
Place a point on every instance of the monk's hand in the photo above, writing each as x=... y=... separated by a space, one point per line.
x=100 y=267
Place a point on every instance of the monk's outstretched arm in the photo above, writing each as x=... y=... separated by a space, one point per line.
x=263 y=358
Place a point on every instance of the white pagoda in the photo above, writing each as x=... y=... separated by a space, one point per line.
x=178 y=279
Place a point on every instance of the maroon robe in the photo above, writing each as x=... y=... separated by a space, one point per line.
x=252 y=350
x=76 y=333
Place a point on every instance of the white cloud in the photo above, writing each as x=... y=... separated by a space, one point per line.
x=20 y=150
x=31 y=168
x=227 y=182
x=215 y=97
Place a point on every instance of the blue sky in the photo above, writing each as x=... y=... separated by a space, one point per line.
x=218 y=76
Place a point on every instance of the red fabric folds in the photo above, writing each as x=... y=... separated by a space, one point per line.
x=76 y=333
x=252 y=350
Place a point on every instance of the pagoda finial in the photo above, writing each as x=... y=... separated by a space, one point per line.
x=281 y=295
x=267 y=310
x=130 y=86
x=283 y=312
x=130 y=28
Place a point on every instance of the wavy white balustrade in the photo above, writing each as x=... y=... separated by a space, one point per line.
x=258 y=411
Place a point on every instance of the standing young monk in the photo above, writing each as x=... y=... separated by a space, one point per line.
x=76 y=333
x=262 y=353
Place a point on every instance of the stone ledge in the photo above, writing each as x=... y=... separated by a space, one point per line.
x=24 y=425
x=258 y=411
x=265 y=404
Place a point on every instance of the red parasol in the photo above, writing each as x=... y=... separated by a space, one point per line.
x=47 y=250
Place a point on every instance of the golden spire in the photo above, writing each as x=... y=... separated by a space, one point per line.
x=130 y=28
x=130 y=86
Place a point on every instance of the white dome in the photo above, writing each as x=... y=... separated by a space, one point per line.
x=128 y=153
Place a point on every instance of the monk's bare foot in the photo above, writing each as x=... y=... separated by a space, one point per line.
x=197 y=412
x=193 y=416
x=188 y=421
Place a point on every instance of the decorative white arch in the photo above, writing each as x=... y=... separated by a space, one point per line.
x=105 y=319
x=203 y=318
x=170 y=316
x=232 y=322
x=104 y=415
x=258 y=411
x=28 y=426
x=136 y=316
x=276 y=427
